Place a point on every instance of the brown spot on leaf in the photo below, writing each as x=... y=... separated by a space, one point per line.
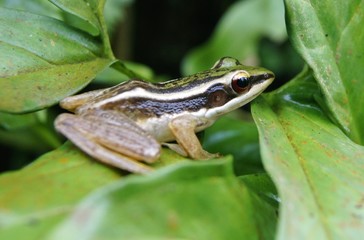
x=360 y=203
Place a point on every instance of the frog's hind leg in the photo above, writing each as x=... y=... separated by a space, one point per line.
x=120 y=133
x=110 y=138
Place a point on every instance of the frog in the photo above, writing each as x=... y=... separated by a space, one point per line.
x=126 y=125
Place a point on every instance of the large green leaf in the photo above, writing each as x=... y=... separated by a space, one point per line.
x=35 y=198
x=238 y=34
x=204 y=196
x=43 y=60
x=185 y=201
x=329 y=35
x=318 y=170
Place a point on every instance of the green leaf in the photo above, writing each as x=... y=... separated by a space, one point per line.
x=239 y=138
x=35 y=198
x=43 y=60
x=85 y=10
x=116 y=13
x=329 y=36
x=11 y=121
x=27 y=133
x=262 y=185
x=190 y=200
x=33 y=201
x=317 y=169
x=40 y=7
x=238 y=34
x=115 y=75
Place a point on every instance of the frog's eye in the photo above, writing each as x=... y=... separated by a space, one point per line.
x=240 y=83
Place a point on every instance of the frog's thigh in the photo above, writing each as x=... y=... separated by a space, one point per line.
x=84 y=133
x=116 y=131
x=183 y=129
x=116 y=118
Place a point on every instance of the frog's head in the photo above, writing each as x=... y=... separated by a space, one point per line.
x=238 y=85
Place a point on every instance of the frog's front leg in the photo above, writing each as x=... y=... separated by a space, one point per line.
x=111 y=138
x=183 y=129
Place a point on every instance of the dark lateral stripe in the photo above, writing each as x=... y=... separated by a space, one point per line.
x=256 y=79
x=153 y=107
x=143 y=107
x=160 y=108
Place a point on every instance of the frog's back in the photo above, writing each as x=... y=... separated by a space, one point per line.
x=87 y=100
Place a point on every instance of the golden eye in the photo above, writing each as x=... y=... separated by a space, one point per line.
x=240 y=83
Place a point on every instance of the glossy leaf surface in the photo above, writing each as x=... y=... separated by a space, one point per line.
x=86 y=11
x=53 y=62
x=317 y=169
x=194 y=194
x=188 y=200
x=330 y=38
x=33 y=199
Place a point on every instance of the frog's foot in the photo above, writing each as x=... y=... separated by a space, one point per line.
x=183 y=129
x=181 y=151
x=111 y=138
